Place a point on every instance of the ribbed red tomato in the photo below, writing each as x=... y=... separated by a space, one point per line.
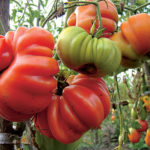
x=27 y=70
x=83 y=105
x=85 y=15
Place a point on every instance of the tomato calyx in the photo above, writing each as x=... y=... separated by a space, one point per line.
x=60 y=86
x=61 y=83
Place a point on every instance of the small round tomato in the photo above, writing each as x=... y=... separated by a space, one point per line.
x=143 y=125
x=134 y=135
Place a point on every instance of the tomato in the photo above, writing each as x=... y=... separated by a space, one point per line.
x=143 y=125
x=82 y=105
x=147 y=137
x=86 y=54
x=129 y=57
x=41 y=123
x=134 y=38
x=137 y=32
x=113 y=117
x=27 y=82
x=146 y=100
x=134 y=135
x=85 y=15
x=11 y=115
x=6 y=54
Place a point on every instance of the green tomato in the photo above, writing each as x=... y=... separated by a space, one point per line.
x=83 y=53
x=134 y=114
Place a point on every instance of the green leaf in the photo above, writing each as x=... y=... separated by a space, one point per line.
x=26 y=147
x=46 y=143
x=41 y=2
x=135 y=124
x=17 y=3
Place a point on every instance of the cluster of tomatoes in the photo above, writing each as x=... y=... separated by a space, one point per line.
x=82 y=51
x=139 y=115
x=135 y=134
x=28 y=87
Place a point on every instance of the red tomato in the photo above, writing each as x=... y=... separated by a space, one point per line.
x=143 y=124
x=82 y=105
x=134 y=135
x=26 y=81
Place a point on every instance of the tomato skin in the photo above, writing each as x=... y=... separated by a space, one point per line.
x=85 y=111
x=28 y=81
x=134 y=135
x=137 y=32
x=147 y=137
x=41 y=123
x=84 y=54
x=134 y=39
x=9 y=114
x=113 y=117
x=129 y=57
x=6 y=54
x=72 y=19
x=99 y=87
x=85 y=15
x=78 y=109
x=143 y=124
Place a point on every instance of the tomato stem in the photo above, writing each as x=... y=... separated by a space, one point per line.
x=74 y=3
x=134 y=10
x=120 y=115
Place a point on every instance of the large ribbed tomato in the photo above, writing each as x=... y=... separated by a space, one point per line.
x=83 y=105
x=85 y=15
x=83 y=53
x=27 y=82
x=134 y=39
x=137 y=32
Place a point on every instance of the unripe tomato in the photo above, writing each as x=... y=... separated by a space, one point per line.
x=83 y=53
